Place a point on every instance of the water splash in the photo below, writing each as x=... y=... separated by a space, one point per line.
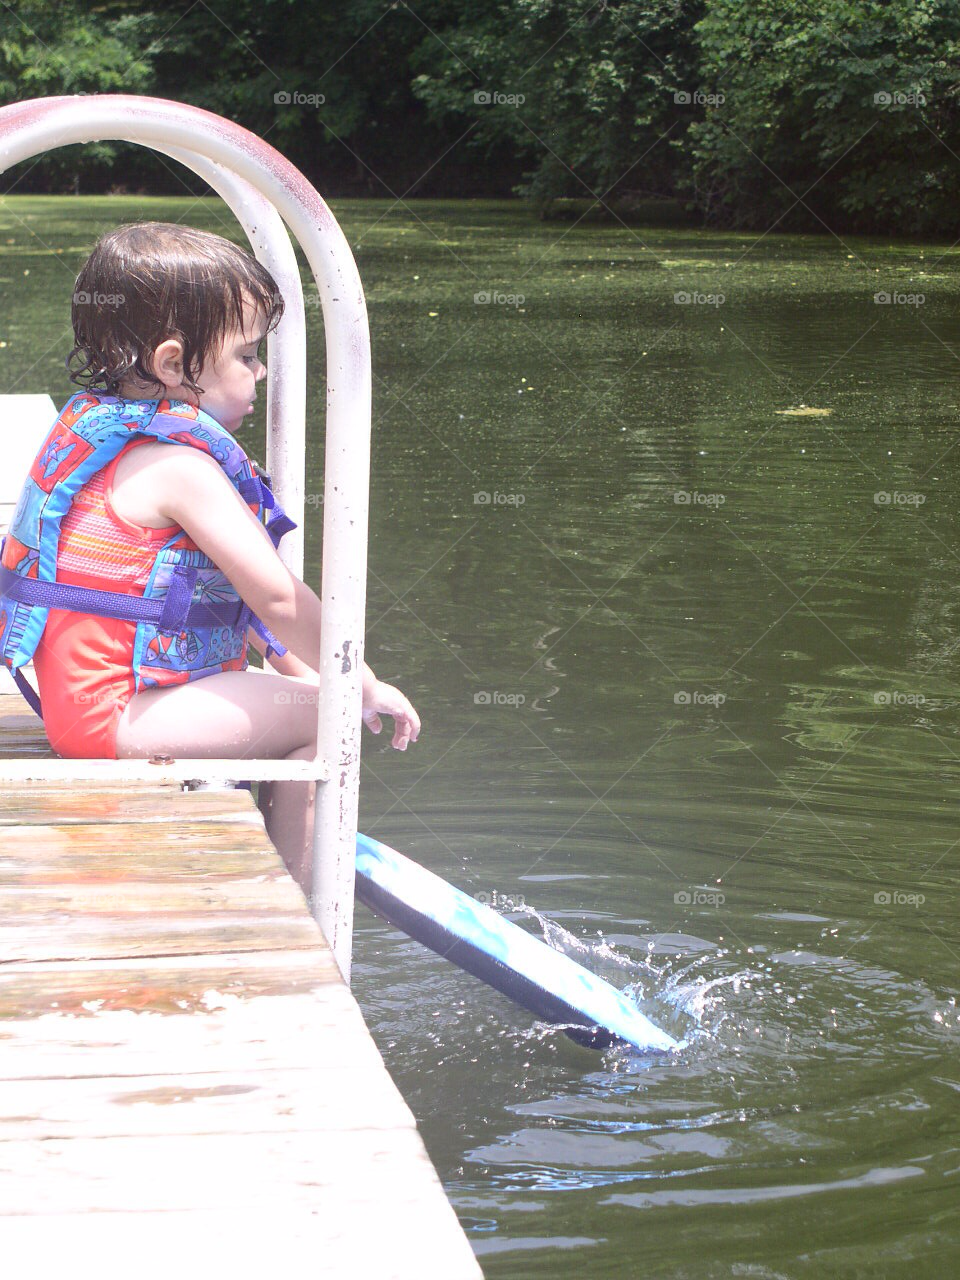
x=691 y=1004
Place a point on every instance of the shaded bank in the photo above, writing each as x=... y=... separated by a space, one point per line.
x=841 y=114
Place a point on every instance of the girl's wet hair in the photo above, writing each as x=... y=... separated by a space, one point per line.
x=149 y=281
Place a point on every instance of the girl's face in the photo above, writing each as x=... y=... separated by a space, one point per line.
x=228 y=377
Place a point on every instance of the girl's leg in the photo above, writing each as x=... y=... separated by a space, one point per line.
x=235 y=715
x=288 y=811
x=232 y=715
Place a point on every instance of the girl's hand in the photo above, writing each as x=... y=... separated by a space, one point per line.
x=380 y=698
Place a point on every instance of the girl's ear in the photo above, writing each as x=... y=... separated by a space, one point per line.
x=168 y=363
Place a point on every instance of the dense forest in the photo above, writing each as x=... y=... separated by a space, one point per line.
x=736 y=112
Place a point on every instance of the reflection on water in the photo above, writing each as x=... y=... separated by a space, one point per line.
x=795 y=1061
x=721 y=769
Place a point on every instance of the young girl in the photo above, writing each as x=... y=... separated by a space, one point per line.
x=168 y=323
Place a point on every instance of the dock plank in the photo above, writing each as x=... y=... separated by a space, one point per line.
x=185 y=1074
x=27 y=803
x=21 y=731
x=268 y=1100
x=55 y=935
x=85 y=917
x=171 y=1172
x=207 y=1031
x=245 y=1244
x=92 y=853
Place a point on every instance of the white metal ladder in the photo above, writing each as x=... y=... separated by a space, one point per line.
x=262 y=187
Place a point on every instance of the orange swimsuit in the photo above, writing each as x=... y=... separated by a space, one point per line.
x=84 y=662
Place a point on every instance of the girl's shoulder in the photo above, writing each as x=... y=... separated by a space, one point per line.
x=141 y=485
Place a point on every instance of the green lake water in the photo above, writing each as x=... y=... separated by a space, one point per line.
x=689 y=678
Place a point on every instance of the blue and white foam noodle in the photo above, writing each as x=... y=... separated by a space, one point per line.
x=500 y=953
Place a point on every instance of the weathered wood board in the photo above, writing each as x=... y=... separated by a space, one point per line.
x=186 y=1081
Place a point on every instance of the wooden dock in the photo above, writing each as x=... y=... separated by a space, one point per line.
x=186 y=1080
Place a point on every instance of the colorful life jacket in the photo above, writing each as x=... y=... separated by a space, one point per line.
x=190 y=619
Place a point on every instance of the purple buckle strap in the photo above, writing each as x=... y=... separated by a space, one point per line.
x=26 y=688
x=176 y=602
x=172 y=613
x=265 y=634
x=279 y=524
x=257 y=489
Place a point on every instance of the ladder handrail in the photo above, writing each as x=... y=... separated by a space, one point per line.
x=235 y=162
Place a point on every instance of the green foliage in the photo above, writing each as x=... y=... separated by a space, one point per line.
x=753 y=113
x=67 y=48
x=597 y=83
x=842 y=112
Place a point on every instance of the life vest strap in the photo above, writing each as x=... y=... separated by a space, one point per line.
x=172 y=613
x=256 y=488
x=265 y=634
x=26 y=688
x=279 y=524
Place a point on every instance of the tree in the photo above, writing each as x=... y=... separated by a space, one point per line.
x=71 y=48
x=589 y=98
x=850 y=105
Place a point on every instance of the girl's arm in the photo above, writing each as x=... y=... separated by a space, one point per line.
x=288 y=665
x=378 y=698
x=192 y=490
x=291 y=665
